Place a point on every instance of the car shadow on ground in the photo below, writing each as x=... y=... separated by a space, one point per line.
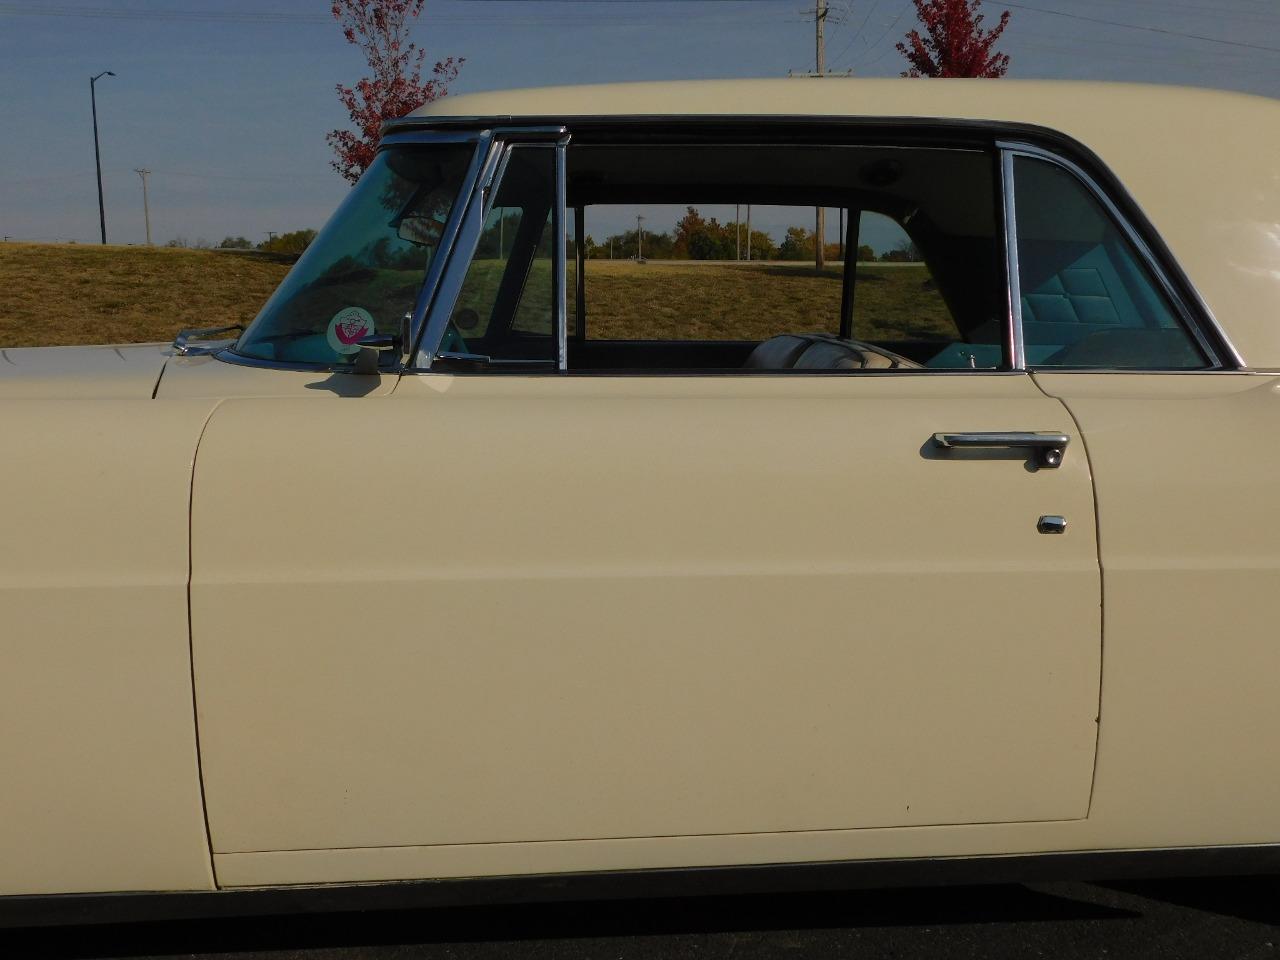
x=712 y=915
x=1255 y=899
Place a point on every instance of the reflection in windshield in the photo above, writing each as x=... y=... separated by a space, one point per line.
x=363 y=272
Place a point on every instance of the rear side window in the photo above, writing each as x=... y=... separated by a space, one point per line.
x=1088 y=300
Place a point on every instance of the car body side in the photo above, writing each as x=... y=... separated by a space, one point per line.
x=103 y=786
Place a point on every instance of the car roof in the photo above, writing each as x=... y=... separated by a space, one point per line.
x=1016 y=101
x=1204 y=165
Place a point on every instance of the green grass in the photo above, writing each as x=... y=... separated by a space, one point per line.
x=87 y=294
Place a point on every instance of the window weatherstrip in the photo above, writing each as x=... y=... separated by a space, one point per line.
x=1013 y=332
x=1193 y=320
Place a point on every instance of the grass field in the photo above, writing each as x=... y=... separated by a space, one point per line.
x=87 y=294
x=738 y=301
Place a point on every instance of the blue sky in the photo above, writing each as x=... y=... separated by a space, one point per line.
x=228 y=101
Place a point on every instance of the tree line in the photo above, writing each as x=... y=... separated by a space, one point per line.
x=695 y=237
x=293 y=242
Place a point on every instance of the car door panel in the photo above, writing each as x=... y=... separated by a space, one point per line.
x=1185 y=467
x=570 y=608
x=99 y=775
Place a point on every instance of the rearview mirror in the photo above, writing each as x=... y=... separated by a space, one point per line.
x=421 y=231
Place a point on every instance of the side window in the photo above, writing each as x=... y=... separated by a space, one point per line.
x=505 y=311
x=1087 y=298
x=898 y=299
x=786 y=258
x=683 y=273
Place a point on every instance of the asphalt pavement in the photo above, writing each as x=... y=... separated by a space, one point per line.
x=1202 y=919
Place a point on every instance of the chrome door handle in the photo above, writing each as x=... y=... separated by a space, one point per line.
x=1049 y=447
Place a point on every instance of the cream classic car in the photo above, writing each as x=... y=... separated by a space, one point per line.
x=482 y=556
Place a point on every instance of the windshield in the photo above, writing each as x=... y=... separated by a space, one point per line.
x=362 y=274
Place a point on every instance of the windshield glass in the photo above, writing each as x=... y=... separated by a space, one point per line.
x=362 y=274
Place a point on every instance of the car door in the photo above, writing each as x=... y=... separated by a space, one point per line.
x=499 y=611
x=1185 y=494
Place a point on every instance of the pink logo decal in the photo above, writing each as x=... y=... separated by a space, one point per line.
x=351 y=331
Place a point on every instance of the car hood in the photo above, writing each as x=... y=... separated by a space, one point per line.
x=129 y=370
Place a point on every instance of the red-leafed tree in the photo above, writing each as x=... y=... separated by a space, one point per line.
x=955 y=44
x=380 y=28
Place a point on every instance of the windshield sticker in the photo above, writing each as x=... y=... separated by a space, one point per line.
x=347 y=327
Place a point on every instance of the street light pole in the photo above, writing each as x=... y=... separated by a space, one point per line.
x=97 y=159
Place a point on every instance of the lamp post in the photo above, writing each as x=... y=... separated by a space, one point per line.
x=97 y=159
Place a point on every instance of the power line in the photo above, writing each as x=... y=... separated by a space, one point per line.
x=524 y=18
x=188 y=16
x=857 y=33
x=889 y=29
x=1186 y=62
x=1135 y=26
x=1216 y=12
x=237 y=177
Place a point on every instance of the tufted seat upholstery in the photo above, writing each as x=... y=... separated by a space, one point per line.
x=817 y=351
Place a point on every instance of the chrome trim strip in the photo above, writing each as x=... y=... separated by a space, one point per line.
x=1188 y=316
x=454 y=268
x=435 y=269
x=479 y=206
x=1017 y=343
x=560 y=225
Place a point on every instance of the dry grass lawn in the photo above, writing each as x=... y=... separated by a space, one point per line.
x=738 y=301
x=69 y=294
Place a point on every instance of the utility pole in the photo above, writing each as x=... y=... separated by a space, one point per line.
x=146 y=207
x=820 y=55
x=639 y=238
x=97 y=158
x=748 y=233
x=737 y=230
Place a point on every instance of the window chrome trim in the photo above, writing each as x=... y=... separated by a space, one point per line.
x=1017 y=345
x=561 y=257
x=1194 y=316
x=435 y=270
x=466 y=238
x=479 y=205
